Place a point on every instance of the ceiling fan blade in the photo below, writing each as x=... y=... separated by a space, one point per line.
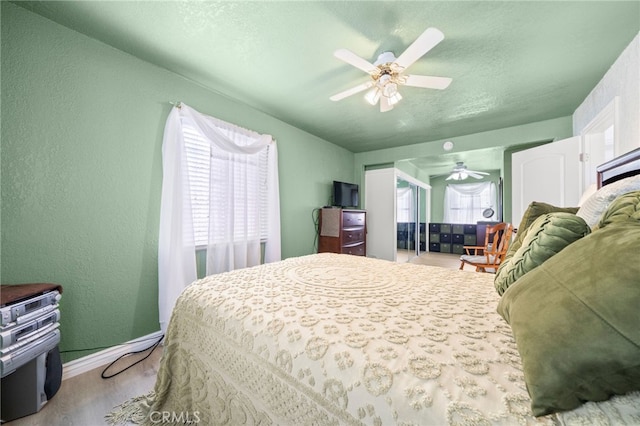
x=425 y=42
x=355 y=60
x=450 y=177
x=352 y=91
x=474 y=175
x=427 y=82
x=384 y=104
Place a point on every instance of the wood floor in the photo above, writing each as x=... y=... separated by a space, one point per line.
x=84 y=400
x=444 y=260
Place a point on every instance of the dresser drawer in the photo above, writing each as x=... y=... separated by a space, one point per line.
x=351 y=219
x=356 y=250
x=351 y=236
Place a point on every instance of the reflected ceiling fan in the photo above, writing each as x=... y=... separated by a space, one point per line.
x=460 y=172
x=387 y=72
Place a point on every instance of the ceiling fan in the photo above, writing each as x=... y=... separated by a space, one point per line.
x=387 y=72
x=460 y=172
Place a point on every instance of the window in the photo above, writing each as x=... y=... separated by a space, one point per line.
x=250 y=191
x=244 y=186
x=465 y=203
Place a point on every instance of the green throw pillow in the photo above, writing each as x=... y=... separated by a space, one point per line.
x=625 y=207
x=576 y=321
x=547 y=236
x=533 y=211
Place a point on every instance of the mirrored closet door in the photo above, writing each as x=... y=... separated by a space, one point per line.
x=410 y=220
x=397 y=208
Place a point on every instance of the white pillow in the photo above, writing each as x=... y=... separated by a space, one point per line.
x=588 y=193
x=597 y=203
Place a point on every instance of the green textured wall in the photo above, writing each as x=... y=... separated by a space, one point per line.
x=81 y=174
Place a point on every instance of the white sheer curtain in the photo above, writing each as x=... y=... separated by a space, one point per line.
x=464 y=203
x=176 y=246
x=405 y=209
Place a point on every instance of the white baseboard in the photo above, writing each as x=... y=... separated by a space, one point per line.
x=104 y=357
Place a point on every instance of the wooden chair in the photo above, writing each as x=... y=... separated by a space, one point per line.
x=489 y=256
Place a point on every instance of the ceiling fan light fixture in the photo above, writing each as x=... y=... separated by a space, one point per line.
x=383 y=80
x=390 y=89
x=373 y=96
x=460 y=172
x=394 y=99
x=459 y=175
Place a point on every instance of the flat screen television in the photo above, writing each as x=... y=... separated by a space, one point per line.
x=345 y=194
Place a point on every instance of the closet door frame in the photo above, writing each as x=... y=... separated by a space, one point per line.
x=380 y=202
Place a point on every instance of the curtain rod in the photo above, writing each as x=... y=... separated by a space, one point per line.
x=178 y=104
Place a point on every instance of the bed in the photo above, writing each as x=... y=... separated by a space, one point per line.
x=332 y=339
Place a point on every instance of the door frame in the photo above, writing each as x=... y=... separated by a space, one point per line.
x=593 y=135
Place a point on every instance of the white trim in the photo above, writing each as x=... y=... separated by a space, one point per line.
x=411 y=179
x=608 y=115
x=594 y=149
x=104 y=357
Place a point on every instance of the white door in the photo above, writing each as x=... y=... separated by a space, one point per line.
x=550 y=173
x=380 y=204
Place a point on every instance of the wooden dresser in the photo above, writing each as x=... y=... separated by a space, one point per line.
x=342 y=231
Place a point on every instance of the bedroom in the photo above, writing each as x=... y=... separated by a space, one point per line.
x=82 y=130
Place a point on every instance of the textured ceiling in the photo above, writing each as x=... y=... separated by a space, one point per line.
x=511 y=62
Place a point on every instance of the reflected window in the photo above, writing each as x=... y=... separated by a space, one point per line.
x=466 y=202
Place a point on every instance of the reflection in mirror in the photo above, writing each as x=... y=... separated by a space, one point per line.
x=410 y=223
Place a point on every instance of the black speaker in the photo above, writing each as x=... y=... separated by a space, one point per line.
x=53 y=380
x=27 y=390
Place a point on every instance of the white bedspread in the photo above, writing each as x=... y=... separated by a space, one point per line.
x=338 y=339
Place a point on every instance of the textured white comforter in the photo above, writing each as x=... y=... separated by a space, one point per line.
x=338 y=339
